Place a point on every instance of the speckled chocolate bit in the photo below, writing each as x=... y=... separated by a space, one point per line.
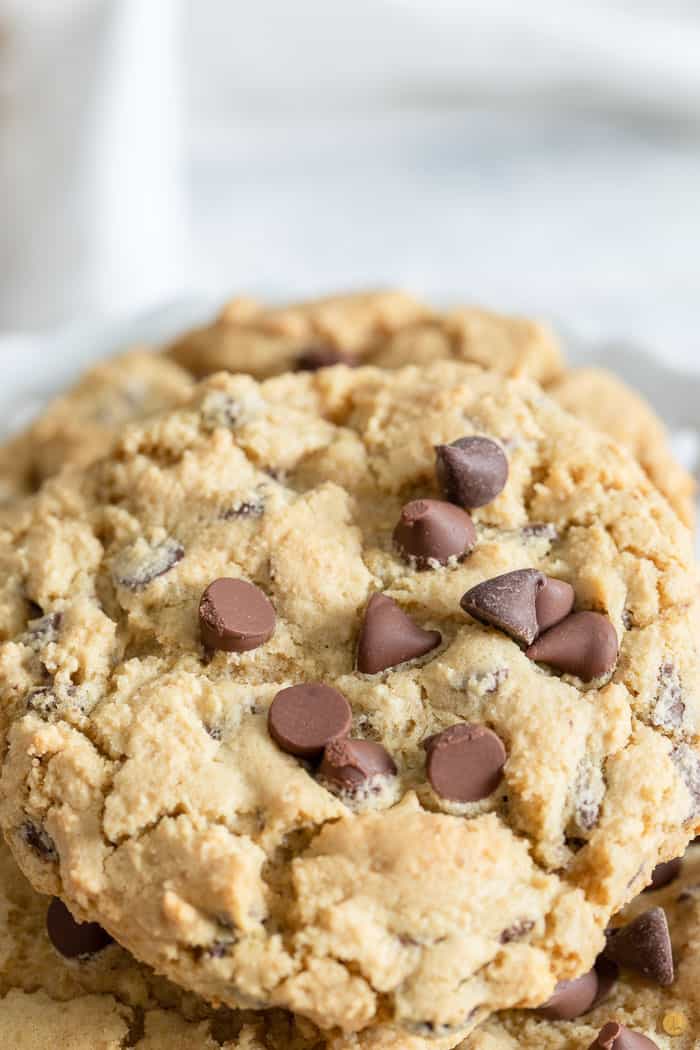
x=38 y=840
x=489 y=681
x=540 y=530
x=214 y=732
x=589 y=791
x=141 y=563
x=218 y=949
x=669 y=708
x=687 y=764
x=43 y=630
x=644 y=945
x=42 y=701
x=252 y=507
x=515 y=932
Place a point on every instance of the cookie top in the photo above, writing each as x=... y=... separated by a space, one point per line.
x=608 y=404
x=81 y=425
x=668 y=1016
x=178 y=794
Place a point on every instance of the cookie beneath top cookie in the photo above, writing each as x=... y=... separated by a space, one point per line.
x=149 y=785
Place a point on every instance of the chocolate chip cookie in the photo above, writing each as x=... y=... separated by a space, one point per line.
x=160 y=604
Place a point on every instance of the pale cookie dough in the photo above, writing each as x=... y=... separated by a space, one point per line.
x=670 y=1017
x=599 y=397
x=141 y=783
x=81 y=425
x=109 y=1000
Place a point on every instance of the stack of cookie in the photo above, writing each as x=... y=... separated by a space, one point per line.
x=349 y=697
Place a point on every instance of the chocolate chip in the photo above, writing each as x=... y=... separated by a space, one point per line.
x=42 y=701
x=43 y=630
x=432 y=531
x=471 y=471
x=687 y=763
x=608 y=974
x=516 y=931
x=304 y=718
x=253 y=507
x=644 y=945
x=540 y=530
x=614 y=1036
x=141 y=563
x=669 y=706
x=235 y=616
x=508 y=602
x=584 y=644
x=39 y=840
x=73 y=939
x=324 y=357
x=664 y=873
x=389 y=637
x=553 y=603
x=347 y=763
x=465 y=762
x=571 y=999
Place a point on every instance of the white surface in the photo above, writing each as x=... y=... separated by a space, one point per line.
x=540 y=157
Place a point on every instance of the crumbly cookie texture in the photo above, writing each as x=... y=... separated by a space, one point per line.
x=608 y=404
x=111 y=997
x=388 y=329
x=140 y=782
x=81 y=425
x=109 y=1000
x=670 y=1017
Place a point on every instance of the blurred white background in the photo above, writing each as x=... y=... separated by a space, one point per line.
x=541 y=157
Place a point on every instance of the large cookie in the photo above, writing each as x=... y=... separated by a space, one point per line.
x=390 y=330
x=106 y=999
x=427 y=881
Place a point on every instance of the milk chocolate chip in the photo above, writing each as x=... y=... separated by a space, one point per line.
x=465 y=762
x=235 y=616
x=584 y=644
x=304 y=718
x=431 y=530
x=349 y=763
x=389 y=637
x=471 y=471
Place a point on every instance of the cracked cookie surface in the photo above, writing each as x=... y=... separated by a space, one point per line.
x=141 y=783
